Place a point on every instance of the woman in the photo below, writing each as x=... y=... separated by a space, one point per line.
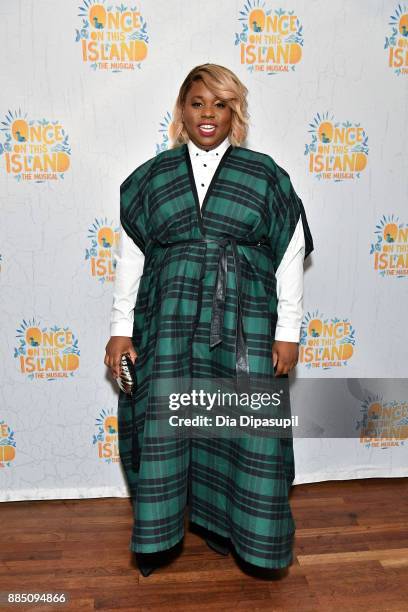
x=213 y=238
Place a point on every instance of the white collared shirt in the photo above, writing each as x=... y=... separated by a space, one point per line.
x=130 y=261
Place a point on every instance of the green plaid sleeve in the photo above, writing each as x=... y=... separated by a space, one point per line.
x=133 y=192
x=285 y=209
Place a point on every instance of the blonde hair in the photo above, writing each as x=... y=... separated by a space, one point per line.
x=222 y=83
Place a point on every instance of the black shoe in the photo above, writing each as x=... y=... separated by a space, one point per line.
x=145 y=567
x=218 y=543
x=148 y=562
x=146 y=570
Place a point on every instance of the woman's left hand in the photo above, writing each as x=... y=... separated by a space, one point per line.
x=285 y=356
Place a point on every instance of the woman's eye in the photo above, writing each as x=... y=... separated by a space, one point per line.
x=220 y=104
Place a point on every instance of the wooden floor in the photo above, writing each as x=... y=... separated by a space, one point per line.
x=351 y=553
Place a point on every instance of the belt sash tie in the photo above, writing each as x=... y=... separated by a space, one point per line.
x=219 y=295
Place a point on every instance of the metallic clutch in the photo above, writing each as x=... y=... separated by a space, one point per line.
x=127 y=378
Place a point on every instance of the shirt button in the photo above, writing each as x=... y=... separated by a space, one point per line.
x=205 y=165
x=216 y=153
x=202 y=185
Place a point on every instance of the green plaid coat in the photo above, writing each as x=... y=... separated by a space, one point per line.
x=236 y=487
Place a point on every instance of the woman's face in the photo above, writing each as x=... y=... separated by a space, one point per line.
x=206 y=118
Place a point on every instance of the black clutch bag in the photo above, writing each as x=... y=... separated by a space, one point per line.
x=127 y=379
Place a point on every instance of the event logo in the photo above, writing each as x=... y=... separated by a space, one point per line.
x=270 y=41
x=391 y=249
x=107 y=437
x=383 y=424
x=36 y=150
x=7 y=445
x=397 y=42
x=337 y=151
x=164 y=131
x=104 y=238
x=46 y=354
x=112 y=37
x=325 y=343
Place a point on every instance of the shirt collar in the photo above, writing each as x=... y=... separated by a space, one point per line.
x=216 y=153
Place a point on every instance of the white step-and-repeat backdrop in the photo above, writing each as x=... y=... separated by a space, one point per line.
x=88 y=89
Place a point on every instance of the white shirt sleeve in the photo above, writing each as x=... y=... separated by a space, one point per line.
x=129 y=269
x=289 y=288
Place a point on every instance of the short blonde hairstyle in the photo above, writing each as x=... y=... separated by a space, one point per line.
x=223 y=84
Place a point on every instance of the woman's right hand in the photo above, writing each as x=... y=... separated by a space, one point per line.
x=115 y=348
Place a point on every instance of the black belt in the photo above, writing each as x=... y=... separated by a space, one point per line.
x=218 y=305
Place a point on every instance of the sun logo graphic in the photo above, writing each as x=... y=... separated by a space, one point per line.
x=337 y=151
x=46 y=354
x=103 y=240
x=397 y=42
x=163 y=145
x=7 y=445
x=106 y=438
x=383 y=424
x=112 y=37
x=269 y=41
x=34 y=150
x=391 y=247
x=325 y=343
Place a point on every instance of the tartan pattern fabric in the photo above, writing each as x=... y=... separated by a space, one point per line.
x=237 y=487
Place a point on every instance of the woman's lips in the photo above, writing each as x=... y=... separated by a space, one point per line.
x=206 y=129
